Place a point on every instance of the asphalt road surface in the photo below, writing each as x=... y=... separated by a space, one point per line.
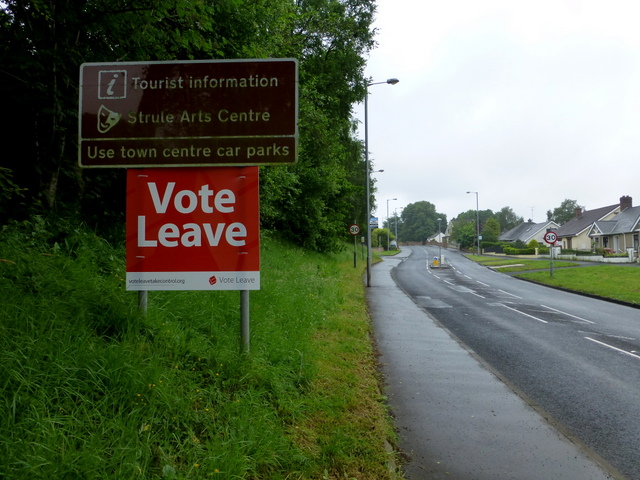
x=576 y=359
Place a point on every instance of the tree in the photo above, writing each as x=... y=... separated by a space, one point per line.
x=491 y=230
x=43 y=43
x=420 y=221
x=565 y=212
x=312 y=201
x=465 y=235
x=379 y=237
x=469 y=218
x=508 y=219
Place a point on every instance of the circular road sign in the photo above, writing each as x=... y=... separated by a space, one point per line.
x=354 y=229
x=550 y=237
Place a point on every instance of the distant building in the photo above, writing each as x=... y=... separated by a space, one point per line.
x=574 y=234
x=620 y=233
x=527 y=231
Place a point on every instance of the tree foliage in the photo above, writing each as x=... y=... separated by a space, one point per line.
x=420 y=221
x=43 y=43
x=565 y=212
x=465 y=235
x=491 y=230
x=508 y=219
x=465 y=229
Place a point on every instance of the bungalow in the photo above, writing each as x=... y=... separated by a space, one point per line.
x=527 y=231
x=620 y=233
x=574 y=234
x=438 y=237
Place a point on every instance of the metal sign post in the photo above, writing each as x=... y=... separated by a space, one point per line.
x=551 y=238
x=245 y=333
x=354 y=230
x=197 y=230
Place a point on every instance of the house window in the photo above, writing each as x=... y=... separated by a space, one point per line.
x=605 y=242
x=635 y=242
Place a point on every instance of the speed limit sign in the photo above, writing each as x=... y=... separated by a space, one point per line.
x=354 y=229
x=550 y=237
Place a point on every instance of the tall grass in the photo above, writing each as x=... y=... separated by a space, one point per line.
x=90 y=388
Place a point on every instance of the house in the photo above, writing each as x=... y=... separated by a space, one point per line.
x=618 y=234
x=574 y=234
x=527 y=231
x=438 y=237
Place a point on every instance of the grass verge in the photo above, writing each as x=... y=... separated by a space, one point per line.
x=517 y=264
x=92 y=389
x=617 y=282
x=610 y=281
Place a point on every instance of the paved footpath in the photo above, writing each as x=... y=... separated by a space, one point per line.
x=456 y=420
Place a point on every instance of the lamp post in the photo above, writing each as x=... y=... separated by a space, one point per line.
x=477 y=222
x=439 y=244
x=391 y=81
x=395 y=214
x=389 y=224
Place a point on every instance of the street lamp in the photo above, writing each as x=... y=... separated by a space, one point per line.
x=389 y=223
x=439 y=244
x=477 y=222
x=391 y=81
x=395 y=214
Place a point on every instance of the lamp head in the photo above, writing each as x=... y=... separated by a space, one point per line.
x=392 y=81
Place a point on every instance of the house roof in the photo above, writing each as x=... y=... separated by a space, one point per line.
x=526 y=231
x=624 y=222
x=579 y=224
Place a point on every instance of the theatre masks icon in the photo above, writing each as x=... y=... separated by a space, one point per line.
x=107 y=119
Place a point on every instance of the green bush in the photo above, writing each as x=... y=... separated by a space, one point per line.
x=533 y=244
x=519 y=251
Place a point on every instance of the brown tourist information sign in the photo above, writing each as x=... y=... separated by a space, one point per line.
x=198 y=113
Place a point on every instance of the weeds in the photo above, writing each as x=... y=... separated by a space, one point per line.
x=92 y=389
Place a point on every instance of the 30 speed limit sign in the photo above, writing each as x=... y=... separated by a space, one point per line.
x=550 y=237
x=354 y=229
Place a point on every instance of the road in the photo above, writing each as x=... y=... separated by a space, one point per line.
x=575 y=358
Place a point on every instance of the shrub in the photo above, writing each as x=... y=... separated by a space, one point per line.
x=519 y=251
x=533 y=244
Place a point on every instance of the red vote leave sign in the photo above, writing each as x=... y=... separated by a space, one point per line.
x=193 y=229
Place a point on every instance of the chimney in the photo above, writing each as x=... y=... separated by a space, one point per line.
x=578 y=211
x=625 y=202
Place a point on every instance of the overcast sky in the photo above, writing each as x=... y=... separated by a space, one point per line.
x=527 y=103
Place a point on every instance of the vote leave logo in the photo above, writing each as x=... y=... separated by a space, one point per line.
x=202 y=223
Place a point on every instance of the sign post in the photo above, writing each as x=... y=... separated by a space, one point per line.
x=197 y=230
x=355 y=231
x=551 y=238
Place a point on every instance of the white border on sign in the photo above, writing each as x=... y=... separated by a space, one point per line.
x=143 y=281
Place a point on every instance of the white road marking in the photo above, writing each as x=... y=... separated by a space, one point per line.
x=507 y=293
x=569 y=315
x=613 y=348
x=482 y=283
x=525 y=314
